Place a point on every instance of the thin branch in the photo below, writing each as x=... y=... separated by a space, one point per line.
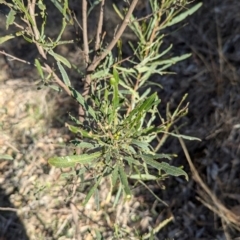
x=8 y=209
x=31 y=6
x=100 y=24
x=87 y=80
x=75 y=220
x=125 y=23
x=19 y=26
x=85 y=31
x=15 y=58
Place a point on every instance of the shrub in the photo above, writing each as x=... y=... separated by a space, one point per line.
x=118 y=110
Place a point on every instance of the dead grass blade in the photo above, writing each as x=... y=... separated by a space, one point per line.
x=209 y=199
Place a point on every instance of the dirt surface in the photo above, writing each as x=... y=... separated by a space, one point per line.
x=37 y=202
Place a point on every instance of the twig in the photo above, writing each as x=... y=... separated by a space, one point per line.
x=85 y=32
x=100 y=24
x=75 y=219
x=8 y=209
x=11 y=146
x=125 y=23
x=63 y=225
x=148 y=188
x=15 y=58
x=161 y=225
x=87 y=80
x=31 y=6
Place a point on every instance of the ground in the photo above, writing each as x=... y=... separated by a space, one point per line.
x=38 y=202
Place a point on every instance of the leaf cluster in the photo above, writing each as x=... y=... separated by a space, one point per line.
x=117 y=144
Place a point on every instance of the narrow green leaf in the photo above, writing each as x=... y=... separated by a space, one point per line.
x=134 y=93
x=82 y=101
x=64 y=74
x=124 y=181
x=39 y=68
x=92 y=190
x=114 y=176
x=70 y=161
x=59 y=7
x=128 y=148
x=116 y=75
x=85 y=145
x=143 y=106
x=73 y=128
x=27 y=38
x=165 y=51
x=182 y=16
x=10 y=18
x=145 y=94
x=100 y=74
x=64 y=24
x=131 y=160
x=83 y=132
x=143 y=177
x=115 y=99
x=55 y=88
x=6 y=157
x=60 y=58
x=160 y=156
x=182 y=136
x=98 y=235
x=144 y=146
x=117 y=197
x=178 y=111
x=173 y=171
x=150 y=161
x=114 y=82
x=147 y=104
x=96 y=198
x=41 y=6
x=24 y=9
x=171 y=61
x=6 y=38
x=74 y=119
x=149 y=28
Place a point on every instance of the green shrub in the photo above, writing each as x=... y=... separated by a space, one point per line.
x=118 y=109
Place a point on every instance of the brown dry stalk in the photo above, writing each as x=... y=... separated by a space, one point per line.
x=31 y=6
x=100 y=24
x=75 y=220
x=8 y=209
x=211 y=201
x=85 y=32
x=14 y=58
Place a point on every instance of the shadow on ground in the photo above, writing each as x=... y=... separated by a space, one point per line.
x=11 y=226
